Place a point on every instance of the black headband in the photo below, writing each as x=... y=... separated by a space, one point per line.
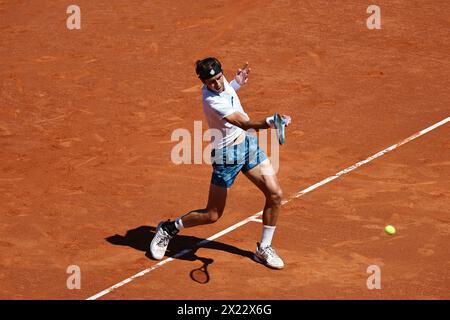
x=205 y=74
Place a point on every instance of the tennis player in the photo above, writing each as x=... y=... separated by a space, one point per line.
x=233 y=151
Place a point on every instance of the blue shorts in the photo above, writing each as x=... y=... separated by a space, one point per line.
x=229 y=161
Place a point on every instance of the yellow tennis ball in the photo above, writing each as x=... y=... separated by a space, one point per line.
x=389 y=229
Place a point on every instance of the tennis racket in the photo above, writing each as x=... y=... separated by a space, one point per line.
x=279 y=127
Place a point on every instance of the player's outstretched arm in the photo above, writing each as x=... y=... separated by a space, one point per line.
x=240 y=120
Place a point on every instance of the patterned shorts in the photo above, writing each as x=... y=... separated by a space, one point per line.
x=229 y=161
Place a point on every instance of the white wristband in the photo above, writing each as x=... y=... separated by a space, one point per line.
x=270 y=122
x=235 y=85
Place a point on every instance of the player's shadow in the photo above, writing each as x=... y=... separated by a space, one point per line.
x=141 y=237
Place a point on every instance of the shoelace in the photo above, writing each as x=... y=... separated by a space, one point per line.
x=163 y=240
x=269 y=252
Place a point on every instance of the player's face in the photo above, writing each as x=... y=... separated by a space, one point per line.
x=216 y=83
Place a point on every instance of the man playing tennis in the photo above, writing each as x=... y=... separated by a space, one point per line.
x=234 y=150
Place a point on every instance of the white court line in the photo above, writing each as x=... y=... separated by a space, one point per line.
x=256 y=216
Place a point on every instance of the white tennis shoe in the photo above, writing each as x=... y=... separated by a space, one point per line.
x=160 y=242
x=268 y=257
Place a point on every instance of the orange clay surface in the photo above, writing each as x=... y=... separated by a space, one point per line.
x=86 y=118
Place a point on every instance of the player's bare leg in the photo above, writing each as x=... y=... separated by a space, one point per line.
x=264 y=177
x=213 y=211
x=166 y=230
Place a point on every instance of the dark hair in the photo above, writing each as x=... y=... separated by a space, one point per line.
x=207 y=68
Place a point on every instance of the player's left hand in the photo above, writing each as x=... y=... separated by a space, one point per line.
x=242 y=75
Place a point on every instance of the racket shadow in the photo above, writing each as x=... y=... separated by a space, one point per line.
x=201 y=275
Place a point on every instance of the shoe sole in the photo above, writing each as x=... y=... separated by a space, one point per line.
x=263 y=262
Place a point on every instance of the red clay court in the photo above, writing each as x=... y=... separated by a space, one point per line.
x=86 y=118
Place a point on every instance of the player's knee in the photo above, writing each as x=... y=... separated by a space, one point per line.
x=214 y=215
x=276 y=197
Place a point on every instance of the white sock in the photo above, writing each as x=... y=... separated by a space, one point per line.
x=267 y=236
x=179 y=224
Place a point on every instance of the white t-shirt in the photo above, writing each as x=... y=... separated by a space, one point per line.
x=216 y=107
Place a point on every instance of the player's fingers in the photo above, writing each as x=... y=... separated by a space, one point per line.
x=245 y=67
x=287 y=120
